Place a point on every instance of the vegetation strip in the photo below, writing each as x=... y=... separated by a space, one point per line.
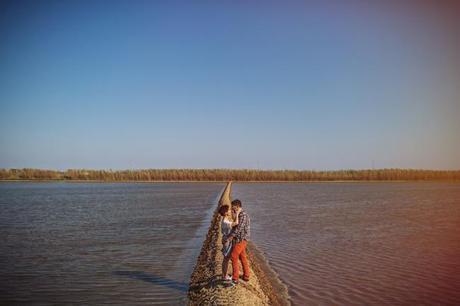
x=224 y=175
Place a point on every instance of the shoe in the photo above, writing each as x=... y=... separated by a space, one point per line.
x=229 y=285
x=246 y=279
x=234 y=282
x=227 y=278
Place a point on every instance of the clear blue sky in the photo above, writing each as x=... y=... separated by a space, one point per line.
x=216 y=84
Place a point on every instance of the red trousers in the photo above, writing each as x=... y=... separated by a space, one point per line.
x=239 y=252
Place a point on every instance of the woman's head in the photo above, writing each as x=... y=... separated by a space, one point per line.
x=223 y=210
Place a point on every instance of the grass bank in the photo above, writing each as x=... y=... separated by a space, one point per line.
x=225 y=175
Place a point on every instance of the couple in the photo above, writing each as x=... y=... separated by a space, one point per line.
x=235 y=235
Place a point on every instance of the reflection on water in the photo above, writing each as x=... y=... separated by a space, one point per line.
x=360 y=243
x=182 y=287
x=121 y=244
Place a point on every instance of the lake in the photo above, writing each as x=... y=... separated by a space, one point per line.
x=78 y=243
x=359 y=243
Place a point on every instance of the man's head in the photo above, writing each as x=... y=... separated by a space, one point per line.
x=236 y=204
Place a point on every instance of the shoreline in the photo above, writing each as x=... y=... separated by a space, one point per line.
x=271 y=284
x=206 y=286
x=235 y=181
x=201 y=231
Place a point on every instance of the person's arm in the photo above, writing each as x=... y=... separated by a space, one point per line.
x=237 y=229
x=234 y=223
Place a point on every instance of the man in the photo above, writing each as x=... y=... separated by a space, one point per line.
x=240 y=236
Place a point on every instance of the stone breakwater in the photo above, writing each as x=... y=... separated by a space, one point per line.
x=206 y=285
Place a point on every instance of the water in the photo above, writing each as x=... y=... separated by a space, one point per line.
x=359 y=243
x=122 y=244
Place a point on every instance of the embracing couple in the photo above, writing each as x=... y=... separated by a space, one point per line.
x=235 y=236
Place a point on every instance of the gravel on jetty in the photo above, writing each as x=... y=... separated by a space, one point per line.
x=206 y=285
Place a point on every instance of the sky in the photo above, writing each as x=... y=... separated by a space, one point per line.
x=317 y=85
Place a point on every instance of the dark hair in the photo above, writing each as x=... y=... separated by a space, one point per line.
x=223 y=210
x=236 y=202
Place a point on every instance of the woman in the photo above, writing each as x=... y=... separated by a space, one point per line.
x=226 y=227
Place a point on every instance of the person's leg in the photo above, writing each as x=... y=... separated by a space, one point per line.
x=225 y=266
x=236 y=251
x=244 y=261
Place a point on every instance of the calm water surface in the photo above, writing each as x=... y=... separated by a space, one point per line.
x=120 y=244
x=360 y=243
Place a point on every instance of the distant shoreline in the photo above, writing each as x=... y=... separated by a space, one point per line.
x=235 y=181
x=225 y=175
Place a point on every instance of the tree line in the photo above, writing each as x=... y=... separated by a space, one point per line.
x=229 y=174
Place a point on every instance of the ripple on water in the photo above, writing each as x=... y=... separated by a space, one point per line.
x=123 y=244
x=359 y=244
